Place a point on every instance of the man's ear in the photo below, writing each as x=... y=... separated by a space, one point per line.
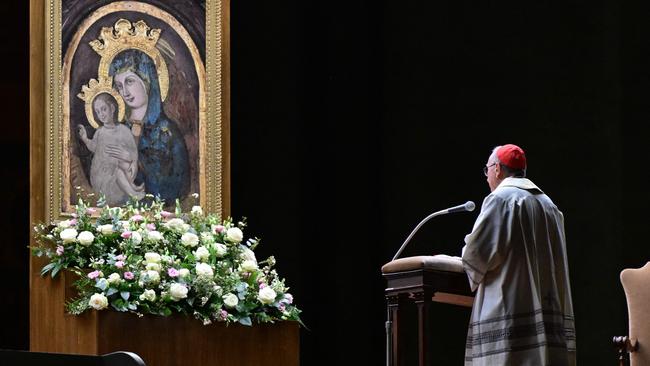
x=497 y=171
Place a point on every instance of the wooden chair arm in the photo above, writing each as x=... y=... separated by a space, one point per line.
x=624 y=345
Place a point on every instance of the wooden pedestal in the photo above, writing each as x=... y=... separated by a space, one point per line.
x=160 y=341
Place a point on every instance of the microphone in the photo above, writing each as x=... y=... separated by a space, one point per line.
x=467 y=206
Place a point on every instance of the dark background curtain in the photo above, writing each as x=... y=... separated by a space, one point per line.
x=353 y=120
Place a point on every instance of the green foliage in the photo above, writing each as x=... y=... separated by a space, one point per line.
x=141 y=259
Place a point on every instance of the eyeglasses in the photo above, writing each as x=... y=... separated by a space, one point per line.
x=487 y=167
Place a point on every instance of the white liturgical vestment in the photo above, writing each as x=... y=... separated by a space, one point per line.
x=515 y=259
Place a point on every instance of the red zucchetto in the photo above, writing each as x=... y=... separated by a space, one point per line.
x=512 y=156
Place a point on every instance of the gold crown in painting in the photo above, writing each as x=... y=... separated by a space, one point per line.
x=93 y=89
x=124 y=36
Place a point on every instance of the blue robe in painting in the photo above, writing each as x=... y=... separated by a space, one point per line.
x=163 y=163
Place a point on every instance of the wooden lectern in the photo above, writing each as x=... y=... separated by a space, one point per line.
x=421 y=280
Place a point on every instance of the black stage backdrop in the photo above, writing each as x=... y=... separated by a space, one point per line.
x=353 y=120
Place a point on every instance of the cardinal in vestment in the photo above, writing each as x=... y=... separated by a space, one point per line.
x=516 y=261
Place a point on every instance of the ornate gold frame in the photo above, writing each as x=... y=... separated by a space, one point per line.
x=214 y=111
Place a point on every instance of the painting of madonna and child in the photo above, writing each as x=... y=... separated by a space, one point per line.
x=134 y=91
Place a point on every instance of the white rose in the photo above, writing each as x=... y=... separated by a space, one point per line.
x=136 y=238
x=220 y=250
x=64 y=224
x=183 y=272
x=151 y=276
x=230 y=300
x=149 y=295
x=68 y=235
x=190 y=240
x=105 y=229
x=249 y=266
x=217 y=290
x=197 y=210
x=177 y=291
x=247 y=254
x=151 y=257
x=176 y=224
x=202 y=254
x=114 y=278
x=85 y=238
x=153 y=267
x=154 y=236
x=266 y=295
x=234 y=235
x=204 y=270
x=98 y=301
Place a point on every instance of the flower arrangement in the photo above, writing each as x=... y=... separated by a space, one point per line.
x=142 y=259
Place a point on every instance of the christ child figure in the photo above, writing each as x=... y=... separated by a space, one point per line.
x=115 y=154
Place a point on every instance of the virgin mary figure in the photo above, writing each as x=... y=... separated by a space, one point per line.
x=163 y=164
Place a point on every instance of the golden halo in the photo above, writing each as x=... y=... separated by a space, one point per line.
x=93 y=89
x=125 y=36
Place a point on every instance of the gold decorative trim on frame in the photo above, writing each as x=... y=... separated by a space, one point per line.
x=211 y=165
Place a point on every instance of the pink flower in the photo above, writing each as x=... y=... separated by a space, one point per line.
x=262 y=285
x=119 y=264
x=59 y=250
x=73 y=222
x=165 y=214
x=128 y=275
x=137 y=218
x=74 y=215
x=90 y=211
x=282 y=307
x=223 y=315
x=172 y=272
x=94 y=274
x=219 y=229
x=126 y=234
x=120 y=257
x=151 y=227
